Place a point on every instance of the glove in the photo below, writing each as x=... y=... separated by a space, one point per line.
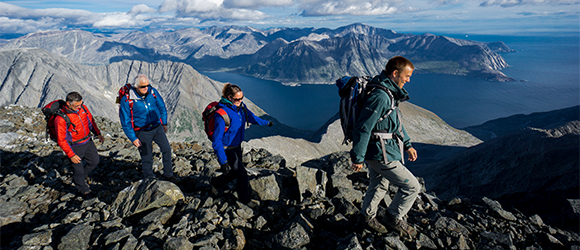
x=270 y=124
x=226 y=168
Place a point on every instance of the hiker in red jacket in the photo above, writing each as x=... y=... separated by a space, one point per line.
x=76 y=141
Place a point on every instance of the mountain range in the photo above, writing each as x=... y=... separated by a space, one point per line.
x=288 y=55
x=519 y=159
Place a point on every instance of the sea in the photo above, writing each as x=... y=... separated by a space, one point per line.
x=546 y=69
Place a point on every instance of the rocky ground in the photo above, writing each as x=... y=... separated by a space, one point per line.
x=311 y=206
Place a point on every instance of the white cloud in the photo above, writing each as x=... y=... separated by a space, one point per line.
x=242 y=14
x=256 y=4
x=349 y=7
x=20 y=26
x=187 y=7
x=15 y=19
x=115 y=20
x=141 y=8
x=209 y=10
x=12 y=11
x=422 y=15
x=511 y=3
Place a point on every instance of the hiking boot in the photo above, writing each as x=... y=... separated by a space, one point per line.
x=88 y=195
x=375 y=225
x=173 y=179
x=400 y=226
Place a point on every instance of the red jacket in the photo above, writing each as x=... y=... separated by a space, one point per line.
x=84 y=124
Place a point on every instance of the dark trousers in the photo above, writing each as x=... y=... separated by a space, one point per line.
x=88 y=153
x=238 y=172
x=147 y=137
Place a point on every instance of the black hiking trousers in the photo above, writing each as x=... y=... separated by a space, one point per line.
x=238 y=172
x=88 y=153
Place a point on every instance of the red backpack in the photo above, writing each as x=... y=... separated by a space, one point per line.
x=53 y=109
x=124 y=91
x=209 y=118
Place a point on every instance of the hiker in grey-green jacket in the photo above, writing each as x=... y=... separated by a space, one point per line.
x=379 y=140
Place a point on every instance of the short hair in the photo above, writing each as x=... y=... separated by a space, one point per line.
x=398 y=63
x=74 y=97
x=138 y=80
x=230 y=90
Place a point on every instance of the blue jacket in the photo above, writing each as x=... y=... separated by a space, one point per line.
x=148 y=111
x=235 y=134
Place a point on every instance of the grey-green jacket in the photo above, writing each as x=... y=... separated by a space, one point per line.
x=375 y=107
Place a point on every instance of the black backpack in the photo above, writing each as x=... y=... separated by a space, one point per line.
x=353 y=91
x=50 y=112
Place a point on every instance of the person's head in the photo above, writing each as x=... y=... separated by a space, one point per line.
x=233 y=93
x=399 y=69
x=74 y=100
x=141 y=84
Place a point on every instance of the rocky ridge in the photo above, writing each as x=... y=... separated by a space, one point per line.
x=310 y=206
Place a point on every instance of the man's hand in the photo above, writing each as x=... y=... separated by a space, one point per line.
x=226 y=168
x=137 y=143
x=165 y=128
x=101 y=138
x=357 y=167
x=412 y=154
x=75 y=159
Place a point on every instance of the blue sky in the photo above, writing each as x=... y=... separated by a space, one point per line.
x=501 y=17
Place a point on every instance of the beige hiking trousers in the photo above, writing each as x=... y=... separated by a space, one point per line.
x=380 y=176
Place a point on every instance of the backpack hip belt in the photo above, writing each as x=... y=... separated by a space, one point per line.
x=146 y=128
x=382 y=136
x=80 y=140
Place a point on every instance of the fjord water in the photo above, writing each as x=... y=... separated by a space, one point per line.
x=546 y=69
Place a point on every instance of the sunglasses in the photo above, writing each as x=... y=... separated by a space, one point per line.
x=237 y=99
x=144 y=86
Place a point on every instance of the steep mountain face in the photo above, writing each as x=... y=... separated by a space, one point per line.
x=535 y=170
x=320 y=61
x=35 y=77
x=486 y=168
x=307 y=55
x=452 y=56
x=543 y=120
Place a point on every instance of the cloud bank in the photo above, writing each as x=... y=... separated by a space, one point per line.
x=512 y=3
x=275 y=13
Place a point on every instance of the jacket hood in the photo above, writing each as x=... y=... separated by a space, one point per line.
x=400 y=94
x=225 y=101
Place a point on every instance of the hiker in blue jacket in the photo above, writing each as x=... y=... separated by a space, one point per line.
x=227 y=143
x=144 y=120
x=380 y=143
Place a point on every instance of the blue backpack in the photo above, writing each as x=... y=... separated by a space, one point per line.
x=353 y=92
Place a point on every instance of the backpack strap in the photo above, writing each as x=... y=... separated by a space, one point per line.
x=391 y=97
x=247 y=125
x=131 y=101
x=382 y=136
x=74 y=126
x=225 y=116
x=128 y=99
